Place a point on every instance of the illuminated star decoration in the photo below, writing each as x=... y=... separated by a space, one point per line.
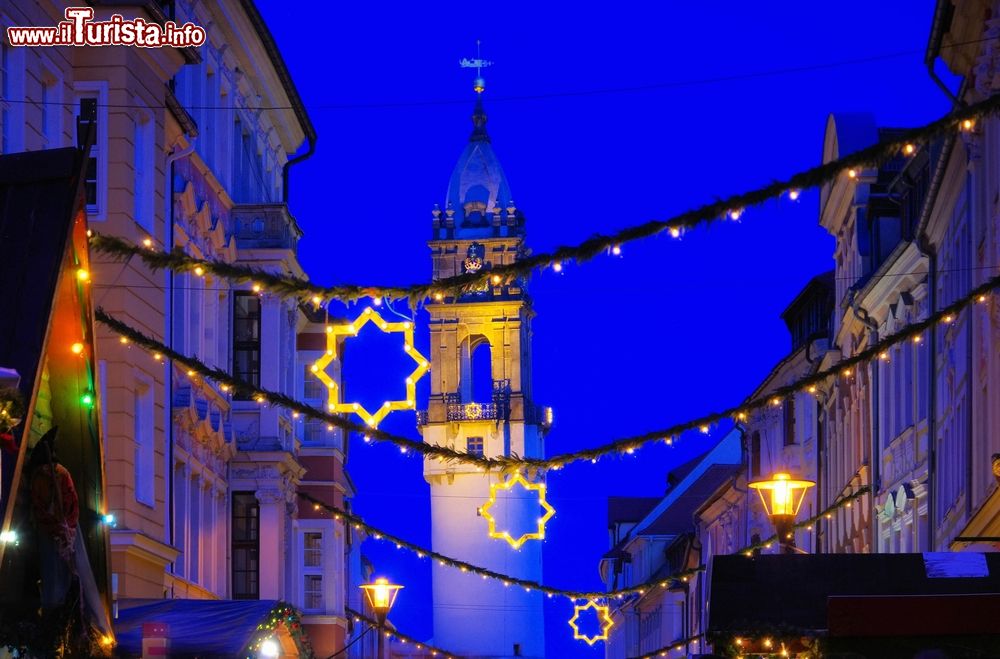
x=517 y=479
x=603 y=615
x=334 y=404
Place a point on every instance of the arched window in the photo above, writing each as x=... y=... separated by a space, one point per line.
x=477 y=370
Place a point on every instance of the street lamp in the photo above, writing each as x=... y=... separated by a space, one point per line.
x=782 y=497
x=381 y=596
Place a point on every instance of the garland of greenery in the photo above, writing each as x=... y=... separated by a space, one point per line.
x=420 y=645
x=625 y=445
x=359 y=523
x=285 y=614
x=286 y=286
x=529 y=585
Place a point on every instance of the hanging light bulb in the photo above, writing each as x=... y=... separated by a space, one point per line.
x=198 y=270
x=794 y=194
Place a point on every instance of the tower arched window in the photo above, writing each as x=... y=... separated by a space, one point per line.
x=476 y=383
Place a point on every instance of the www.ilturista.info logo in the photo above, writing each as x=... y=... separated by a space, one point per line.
x=79 y=29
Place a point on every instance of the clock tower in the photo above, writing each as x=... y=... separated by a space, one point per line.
x=480 y=402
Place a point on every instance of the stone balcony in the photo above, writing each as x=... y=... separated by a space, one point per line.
x=265 y=226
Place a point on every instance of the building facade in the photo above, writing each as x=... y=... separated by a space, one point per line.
x=481 y=402
x=193 y=152
x=917 y=424
x=663 y=542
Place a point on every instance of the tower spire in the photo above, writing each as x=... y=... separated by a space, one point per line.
x=479 y=84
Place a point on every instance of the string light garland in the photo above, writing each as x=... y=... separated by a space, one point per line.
x=731 y=208
x=422 y=552
x=623 y=446
x=419 y=645
x=603 y=616
x=675 y=646
x=282 y=614
x=333 y=334
x=517 y=479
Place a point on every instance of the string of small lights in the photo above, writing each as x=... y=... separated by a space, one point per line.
x=531 y=586
x=378 y=534
x=420 y=645
x=731 y=208
x=676 y=646
x=625 y=446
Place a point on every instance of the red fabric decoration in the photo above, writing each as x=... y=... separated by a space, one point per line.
x=57 y=518
x=7 y=442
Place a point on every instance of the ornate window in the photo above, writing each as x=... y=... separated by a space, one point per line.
x=474 y=445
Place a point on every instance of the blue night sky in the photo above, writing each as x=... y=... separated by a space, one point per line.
x=671 y=330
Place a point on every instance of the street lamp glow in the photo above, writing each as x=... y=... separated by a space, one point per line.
x=785 y=494
x=381 y=595
x=269 y=648
x=782 y=497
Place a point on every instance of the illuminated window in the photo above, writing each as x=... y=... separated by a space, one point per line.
x=474 y=445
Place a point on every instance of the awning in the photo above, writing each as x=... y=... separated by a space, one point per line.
x=208 y=628
x=983 y=528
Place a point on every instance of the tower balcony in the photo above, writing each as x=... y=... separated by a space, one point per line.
x=504 y=407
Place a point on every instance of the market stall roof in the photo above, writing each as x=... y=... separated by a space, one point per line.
x=206 y=628
x=820 y=593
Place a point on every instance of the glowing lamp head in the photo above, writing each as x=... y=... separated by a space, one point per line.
x=381 y=595
x=782 y=495
x=87 y=399
x=269 y=648
x=109 y=519
x=76 y=348
x=82 y=275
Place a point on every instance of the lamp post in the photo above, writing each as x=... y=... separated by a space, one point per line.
x=782 y=497
x=381 y=596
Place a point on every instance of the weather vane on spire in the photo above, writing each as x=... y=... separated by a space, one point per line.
x=479 y=84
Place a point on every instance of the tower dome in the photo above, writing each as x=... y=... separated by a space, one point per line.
x=478 y=187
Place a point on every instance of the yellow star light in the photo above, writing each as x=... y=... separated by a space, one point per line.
x=603 y=614
x=518 y=479
x=333 y=332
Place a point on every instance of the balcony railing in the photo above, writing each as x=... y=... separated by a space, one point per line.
x=473 y=411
